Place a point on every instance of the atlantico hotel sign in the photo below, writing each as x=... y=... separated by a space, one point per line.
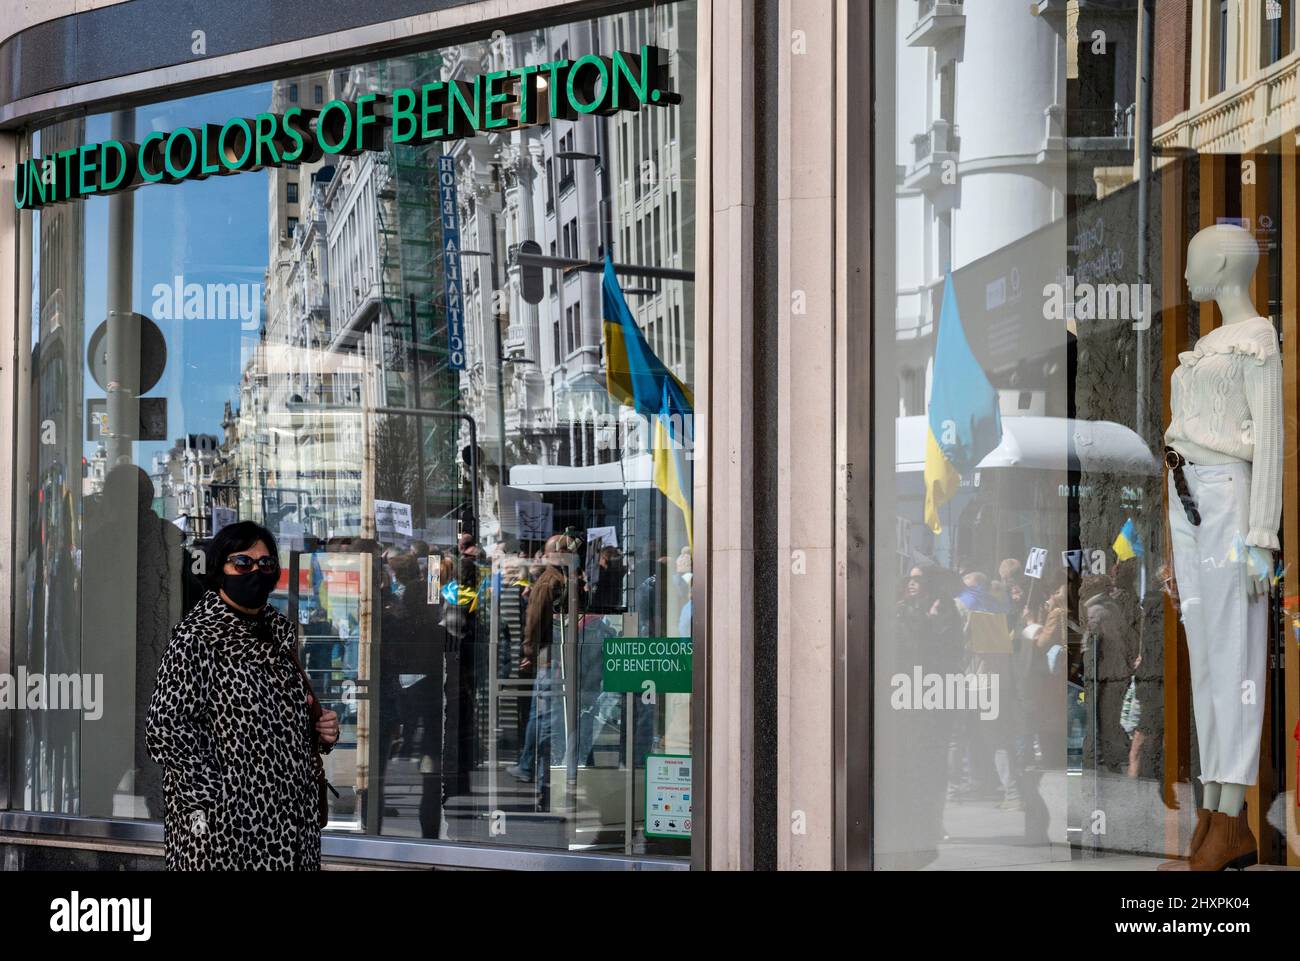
x=450 y=110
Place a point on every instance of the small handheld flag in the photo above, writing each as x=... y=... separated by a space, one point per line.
x=1128 y=544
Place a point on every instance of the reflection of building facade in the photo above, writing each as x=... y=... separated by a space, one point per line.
x=1236 y=92
x=348 y=251
x=302 y=462
x=182 y=478
x=971 y=182
x=569 y=186
x=96 y=468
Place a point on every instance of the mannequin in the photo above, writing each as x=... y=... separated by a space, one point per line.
x=1224 y=460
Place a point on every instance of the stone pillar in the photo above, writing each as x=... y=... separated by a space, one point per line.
x=804 y=566
x=724 y=544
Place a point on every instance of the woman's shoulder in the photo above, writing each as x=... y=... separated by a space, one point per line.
x=211 y=620
x=198 y=629
x=201 y=619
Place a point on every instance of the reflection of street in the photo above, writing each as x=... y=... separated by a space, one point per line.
x=465 y=816
x=981 y=835
x=521 y=817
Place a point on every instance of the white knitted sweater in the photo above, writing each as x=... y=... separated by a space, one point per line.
x=1227 y=406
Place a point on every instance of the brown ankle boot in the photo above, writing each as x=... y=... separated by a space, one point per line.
x=1198 y=837
x=1229 y=844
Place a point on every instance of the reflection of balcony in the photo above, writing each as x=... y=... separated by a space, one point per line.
x=936 y=21
x=1245 y=118
x=516 y=341
x=365 y=308
x=1105 y=122
x=933 y=149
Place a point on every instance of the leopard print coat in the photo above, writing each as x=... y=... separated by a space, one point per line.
x=229 y=725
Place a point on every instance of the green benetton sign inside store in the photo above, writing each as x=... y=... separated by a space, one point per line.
x=631 y=662
x=450 y=110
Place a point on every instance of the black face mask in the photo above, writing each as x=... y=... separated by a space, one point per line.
x=249 y=590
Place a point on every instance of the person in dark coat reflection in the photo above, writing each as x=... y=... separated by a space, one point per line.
x=928 y=635
x=123 y=513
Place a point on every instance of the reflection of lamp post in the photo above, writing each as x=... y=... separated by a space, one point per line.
x=501 y=390
x=123 y=362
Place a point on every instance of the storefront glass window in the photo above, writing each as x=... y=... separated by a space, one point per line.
x=485 y=538
x=1051 y=313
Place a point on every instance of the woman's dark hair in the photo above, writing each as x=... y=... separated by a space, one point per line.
x=940 y=583
x=232 y=539
x=467 y=572
x=405 y=568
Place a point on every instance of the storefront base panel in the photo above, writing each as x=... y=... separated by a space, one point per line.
x=42 y=842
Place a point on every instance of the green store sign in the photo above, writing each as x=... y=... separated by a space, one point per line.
x=632 y=662
x=450 y=110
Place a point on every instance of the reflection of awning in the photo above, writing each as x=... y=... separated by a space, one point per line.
x=1043 y=443
x=630 y=474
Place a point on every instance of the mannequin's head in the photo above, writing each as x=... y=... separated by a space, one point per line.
x=1221 y=259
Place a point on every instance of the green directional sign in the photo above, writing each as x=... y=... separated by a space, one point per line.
x=632 y=661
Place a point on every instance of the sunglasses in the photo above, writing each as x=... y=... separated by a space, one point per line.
x=243 y=563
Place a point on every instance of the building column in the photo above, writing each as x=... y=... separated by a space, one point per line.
x=805 y=568
x=783 y=324
x=722 y=712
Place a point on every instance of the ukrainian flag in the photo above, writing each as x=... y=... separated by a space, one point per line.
x=1128 y=544
x=321 y=586
x=964 y=421
x=671 y=471
x=637 y=378
x=633 y=374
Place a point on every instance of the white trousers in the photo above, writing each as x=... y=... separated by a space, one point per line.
x=1226 y=626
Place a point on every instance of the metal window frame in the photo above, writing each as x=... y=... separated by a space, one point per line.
x=340 y=48
x=855 y=514
x=337 y=49
x=403 y=851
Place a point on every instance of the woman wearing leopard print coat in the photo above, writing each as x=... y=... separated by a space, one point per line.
x=229 y=723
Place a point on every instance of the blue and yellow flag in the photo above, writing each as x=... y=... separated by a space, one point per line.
x=637 y=378
x=321 y=586
x=672 y=473
x=634 y=375
x=1128 y=544
x=964 y=421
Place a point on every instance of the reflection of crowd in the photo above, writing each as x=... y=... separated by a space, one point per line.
x=1071 y=654
x=434 y=664
x=549 y=614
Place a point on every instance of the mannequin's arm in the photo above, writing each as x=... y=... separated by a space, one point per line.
x=1264 y=395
